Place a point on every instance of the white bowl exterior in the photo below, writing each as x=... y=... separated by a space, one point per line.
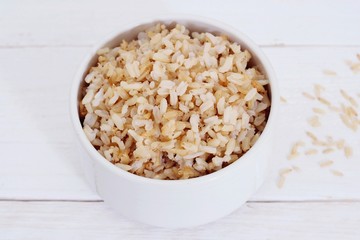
x=178 y=203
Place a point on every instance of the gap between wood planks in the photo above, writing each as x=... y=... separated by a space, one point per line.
x=274 y=45
x=251 y=201
x=47 y=46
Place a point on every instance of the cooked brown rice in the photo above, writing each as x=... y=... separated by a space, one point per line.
x=174 y=104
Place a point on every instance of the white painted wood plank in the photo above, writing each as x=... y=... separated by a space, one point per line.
x=298 y=69
x=69 y=220
x=39 y=157
x=42 y=171
x=37 y=153
x=308 y=63
x=40 y=23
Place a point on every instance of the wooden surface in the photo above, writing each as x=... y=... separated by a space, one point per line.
x=89 y=220
x=42 y=191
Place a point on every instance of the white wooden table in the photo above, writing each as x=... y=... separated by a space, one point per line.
x=42 y=192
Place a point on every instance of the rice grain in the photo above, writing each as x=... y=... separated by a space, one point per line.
x=337 y=173
x=326 y=163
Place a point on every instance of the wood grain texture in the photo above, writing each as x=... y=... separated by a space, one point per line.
x=78 y=23
x=69 y=220
x=40 y=159
x=42 y=44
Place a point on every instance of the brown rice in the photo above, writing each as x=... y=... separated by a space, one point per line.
x=173 y=104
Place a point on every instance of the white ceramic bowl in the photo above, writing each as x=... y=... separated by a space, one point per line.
x=178 y=203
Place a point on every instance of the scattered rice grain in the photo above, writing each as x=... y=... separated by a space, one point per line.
x=324 y=101
x=348 y=151
x=282 y=176
x=309 y=96
x=328 y=150
x=329 y=72
x=337 y=173
x=311 y=151
x=326 y=163
x=318 y=89
x=282 y=99
x=350 y=99
x=318 y=110
x=314 y=121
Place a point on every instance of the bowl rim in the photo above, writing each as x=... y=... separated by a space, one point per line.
x=251 y=46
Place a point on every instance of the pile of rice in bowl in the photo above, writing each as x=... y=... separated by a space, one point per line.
x=173 y=104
